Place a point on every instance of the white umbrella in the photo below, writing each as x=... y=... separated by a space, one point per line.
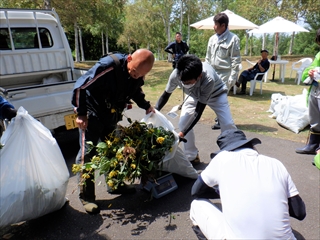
x=276 y=26
x=235 y=22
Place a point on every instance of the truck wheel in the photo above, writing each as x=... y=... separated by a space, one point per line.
x=64 y=136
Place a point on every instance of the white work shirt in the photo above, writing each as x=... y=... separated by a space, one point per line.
x=254 y=191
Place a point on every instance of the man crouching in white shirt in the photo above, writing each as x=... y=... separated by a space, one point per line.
x=257 y=194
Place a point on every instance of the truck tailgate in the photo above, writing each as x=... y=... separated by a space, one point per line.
x=43 y=100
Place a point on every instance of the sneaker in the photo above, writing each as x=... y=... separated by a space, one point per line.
x=125 y=189
x=241 y=93
x=195 y=161
x=90 y=206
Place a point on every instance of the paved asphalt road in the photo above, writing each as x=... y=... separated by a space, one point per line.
x=136 y=217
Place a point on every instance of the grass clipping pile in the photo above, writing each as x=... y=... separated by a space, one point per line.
x=129 y=153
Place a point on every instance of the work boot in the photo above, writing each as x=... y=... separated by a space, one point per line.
x=125 y=189
x=90 y=206
x=312 y=145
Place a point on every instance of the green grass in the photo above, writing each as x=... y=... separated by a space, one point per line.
x=249 y=112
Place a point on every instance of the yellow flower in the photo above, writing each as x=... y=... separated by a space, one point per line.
x=85 y=175
x=112 y=174
x=110 y=183
x=109 y=143
x=160 y=140
x=95 y=159
x=113 y=110
x=76 y=168
x=119 y=155
x=133 y=166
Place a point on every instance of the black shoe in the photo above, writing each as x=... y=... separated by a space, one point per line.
x=215 y=126
x=195 y=161
x=125 y=189
x=198 y=232
x=241 y=93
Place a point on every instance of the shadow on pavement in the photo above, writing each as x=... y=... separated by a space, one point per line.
x=66 y=223
x=140 y=210
x=257 y=127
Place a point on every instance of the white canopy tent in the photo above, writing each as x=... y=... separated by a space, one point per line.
x=235 y=22
x=278 y=25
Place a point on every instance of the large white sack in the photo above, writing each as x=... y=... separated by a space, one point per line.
x=293 y=113
x=33 y=172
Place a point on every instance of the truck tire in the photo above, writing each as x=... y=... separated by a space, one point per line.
x=64 y=136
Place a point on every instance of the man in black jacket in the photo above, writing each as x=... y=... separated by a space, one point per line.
x=99 y=98
x=178 y=48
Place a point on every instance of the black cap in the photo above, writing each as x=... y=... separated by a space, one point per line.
x=232 y=139
x=264 y=50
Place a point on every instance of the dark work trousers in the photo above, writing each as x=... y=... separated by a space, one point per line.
x=95 y=132
x=244 y=77
x=174 y=64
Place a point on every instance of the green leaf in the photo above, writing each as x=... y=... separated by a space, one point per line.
x=102 y=145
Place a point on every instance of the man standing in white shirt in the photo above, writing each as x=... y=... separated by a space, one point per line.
x=257 y=193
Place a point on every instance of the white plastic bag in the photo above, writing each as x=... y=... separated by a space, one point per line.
x=174 y=161
x=179 y=164
x=33 y=172
x=293 y=113
x=157 y=119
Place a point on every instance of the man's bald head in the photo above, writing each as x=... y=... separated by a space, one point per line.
x=140 y=63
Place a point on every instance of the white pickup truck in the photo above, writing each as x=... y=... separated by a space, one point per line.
x=37 y=69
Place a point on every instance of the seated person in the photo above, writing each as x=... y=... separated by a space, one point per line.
x=247 y=75
x=256 y=191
